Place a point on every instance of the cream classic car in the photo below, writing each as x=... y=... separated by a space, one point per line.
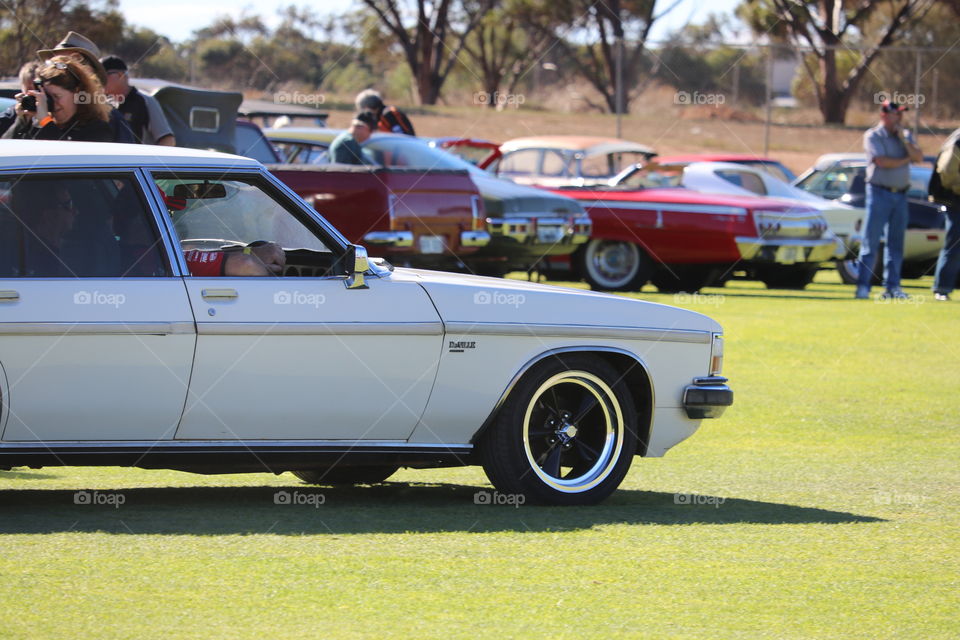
x=135 y=331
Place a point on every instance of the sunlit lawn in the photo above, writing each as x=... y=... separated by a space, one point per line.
x=828 y=508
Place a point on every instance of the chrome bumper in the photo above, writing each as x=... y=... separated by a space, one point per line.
x=398 y=239
x=707 y=397
x=787 y=250
x=542 y=230
x=474 y=238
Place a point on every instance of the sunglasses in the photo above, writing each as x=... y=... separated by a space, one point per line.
x=60 y=66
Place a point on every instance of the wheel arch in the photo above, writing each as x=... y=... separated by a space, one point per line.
x=635 y=373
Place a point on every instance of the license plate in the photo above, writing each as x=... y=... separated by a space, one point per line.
x=549 y=234
x=789 y=255
x=431 y=244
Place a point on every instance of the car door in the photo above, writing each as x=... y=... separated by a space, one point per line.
x=96 y=330
x=297 y=356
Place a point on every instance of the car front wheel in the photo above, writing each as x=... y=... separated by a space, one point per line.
x=565 y=436
x=613 y=265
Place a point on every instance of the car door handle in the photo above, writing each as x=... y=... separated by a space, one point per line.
x=219 y=294
x=9 y=296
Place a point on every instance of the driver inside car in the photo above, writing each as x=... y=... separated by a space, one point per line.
x=258 y=258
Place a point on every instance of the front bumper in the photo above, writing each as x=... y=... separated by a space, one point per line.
x=707 y=397
x=787 y=250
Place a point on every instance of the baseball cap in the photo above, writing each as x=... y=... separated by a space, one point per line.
x=890 y=107
x=367 y=118
x=113 y=63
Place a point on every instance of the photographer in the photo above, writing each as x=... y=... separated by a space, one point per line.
x=71 y=104
x=17 y=121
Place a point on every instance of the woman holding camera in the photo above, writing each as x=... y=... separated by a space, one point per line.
x=71 y=104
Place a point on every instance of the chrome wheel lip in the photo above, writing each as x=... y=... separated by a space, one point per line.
x=599 y=265
x=612 y=447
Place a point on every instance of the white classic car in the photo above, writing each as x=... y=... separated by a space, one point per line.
x=737 y=179
x=134 y=332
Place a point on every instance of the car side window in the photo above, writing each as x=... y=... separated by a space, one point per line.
x=597 y=166
x=554 y=164
x=212 y=214
x=520 y=163
x=58 y=226
x=744 y=180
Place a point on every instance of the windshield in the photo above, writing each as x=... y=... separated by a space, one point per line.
x=408 y=153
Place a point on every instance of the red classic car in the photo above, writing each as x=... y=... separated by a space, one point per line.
x=645 y=229
x=425 y=218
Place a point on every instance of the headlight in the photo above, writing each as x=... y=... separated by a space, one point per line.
x=716 y=355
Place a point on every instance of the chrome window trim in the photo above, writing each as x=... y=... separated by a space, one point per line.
x=542 y=330
x=320 y=328
x=97 y=328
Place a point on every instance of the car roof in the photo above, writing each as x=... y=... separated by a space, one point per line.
x=827 y=160
x=591 y=145
x=714 y=157
x=51 y=153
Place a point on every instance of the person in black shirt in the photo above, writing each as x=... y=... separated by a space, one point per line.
x=142 y=112
x=74 y=101
x=389 y=118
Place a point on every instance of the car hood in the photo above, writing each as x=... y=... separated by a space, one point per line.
x=506 y=197
x=481 y=300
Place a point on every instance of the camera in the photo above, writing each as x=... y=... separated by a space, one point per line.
x=28 y=103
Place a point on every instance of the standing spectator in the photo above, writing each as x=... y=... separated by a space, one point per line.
x=389 y=118
x=345 y=148
x=890 y=150
x=74 y=101
x=17 y=121
x=945 y=189
x=87 y=53
x=143 y=113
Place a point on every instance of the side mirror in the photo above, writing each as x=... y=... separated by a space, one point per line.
x=359 y=264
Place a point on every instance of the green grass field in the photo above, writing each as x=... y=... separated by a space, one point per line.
x=826 y=506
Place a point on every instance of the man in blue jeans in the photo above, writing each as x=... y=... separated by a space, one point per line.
x=890 y=150
x=945 y=189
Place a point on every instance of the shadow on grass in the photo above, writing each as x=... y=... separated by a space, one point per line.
x=393 y=507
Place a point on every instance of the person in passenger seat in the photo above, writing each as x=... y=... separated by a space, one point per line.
x=46 y=214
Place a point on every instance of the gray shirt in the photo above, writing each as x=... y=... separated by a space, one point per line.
x=880 y=142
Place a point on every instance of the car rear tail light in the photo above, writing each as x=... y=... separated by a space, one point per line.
x=716 y=355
